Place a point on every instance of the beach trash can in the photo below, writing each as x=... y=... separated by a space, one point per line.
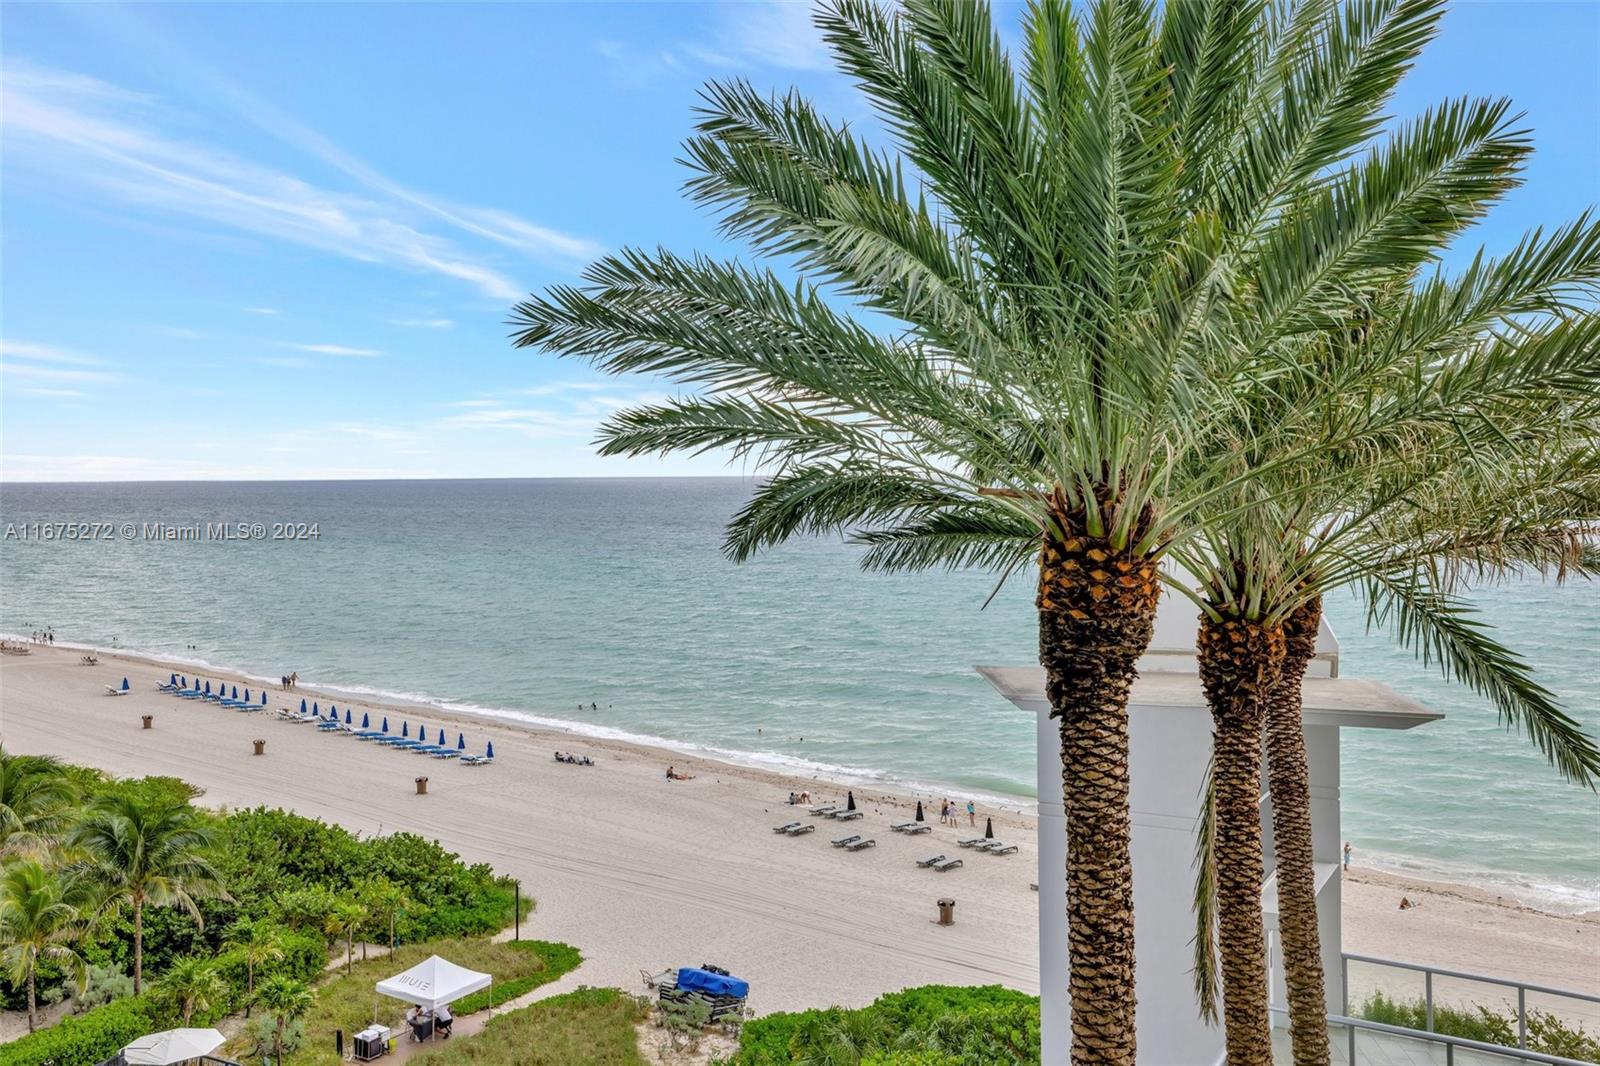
x=147 y=719
x=422 y=786
x=947 y=912
x=261 y=746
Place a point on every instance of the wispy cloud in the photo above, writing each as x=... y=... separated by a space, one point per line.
x=85 y=130
x=47 y=353
x=55 y=394
x=263 y=310
x=337 y=349
x=31 y=361
x=422 y=323
x=771 y=33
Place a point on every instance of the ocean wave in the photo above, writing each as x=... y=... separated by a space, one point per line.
x=1558 y=896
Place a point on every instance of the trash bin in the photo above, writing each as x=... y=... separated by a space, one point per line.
x=947 y=912
x=422 y=786
x=261 y=746
x=147 y=719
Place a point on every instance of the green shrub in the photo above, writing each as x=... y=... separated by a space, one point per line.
x=1546 y=1032
x=936 y=1025
x=85 y=1039
x=558 y=959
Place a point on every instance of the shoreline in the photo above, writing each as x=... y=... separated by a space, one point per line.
x=643 y=873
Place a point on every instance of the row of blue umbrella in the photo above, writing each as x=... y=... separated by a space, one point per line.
x=405 y=727
x=182 y=684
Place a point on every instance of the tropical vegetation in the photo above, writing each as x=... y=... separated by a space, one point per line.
x=1154 y=290
x=587 y=1027
x=1547 y=1032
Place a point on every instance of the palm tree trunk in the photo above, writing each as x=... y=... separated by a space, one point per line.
x=1096 y=617
x=138 y=943
x=349 y=950
x=1289 y=780
x=33 y=999
x=277 y=1041
x=391 y=933
x=1239 y=660
x=249 y=984
x=188 y=1011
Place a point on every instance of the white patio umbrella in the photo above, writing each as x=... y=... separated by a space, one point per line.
x=174 y=1045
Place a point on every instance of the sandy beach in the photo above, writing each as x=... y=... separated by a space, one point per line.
x=644 y=874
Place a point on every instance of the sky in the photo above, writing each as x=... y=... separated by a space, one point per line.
x=282 y=241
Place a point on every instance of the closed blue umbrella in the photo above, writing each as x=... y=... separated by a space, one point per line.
x=461 y=742
x=235 y=692
x=302 y=705
x=385 y=723
x=315 y=709
x=422 y=733
x=208 y=688
x=364 y=720
x=247 y=695
x=124 y=684
x=333 y=713
x=173 y=680
x=263 y=697
x=405 y=729
x=347 y=716
x=490 y=751
x=183 y=682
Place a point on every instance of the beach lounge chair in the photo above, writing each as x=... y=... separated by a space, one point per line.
x=972 y=843
x=901 y=827
x=990 y=845
x=326 y=726
x=1004 y=850
x=845 y=842
x=476 y=760
x=920 y=827
x=800 y=830
x=447 y=753
x=847 y=816
x=931 y=860
x=948 y=864
x=821 y=812
x=861 y=845
x=785 y=828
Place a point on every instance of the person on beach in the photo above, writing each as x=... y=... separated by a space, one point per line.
x=1405 y=903
x=972 y=813
x=1347 y=855
x=673 y=775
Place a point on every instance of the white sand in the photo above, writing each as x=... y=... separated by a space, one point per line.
x=645 y=874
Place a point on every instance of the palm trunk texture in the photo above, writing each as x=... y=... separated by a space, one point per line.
x=1238 y=662
x=1096 y=618
x=1289 y=780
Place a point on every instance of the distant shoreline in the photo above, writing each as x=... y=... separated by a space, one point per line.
x=780 y=769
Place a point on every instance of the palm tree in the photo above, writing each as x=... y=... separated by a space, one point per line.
x=343 y=921
x=35 y=803
x=38 y=921
x=194 y=984
x=1071 y=273
x=257 y=942
x=287 y=999
x=385 y=900
x=148 y=853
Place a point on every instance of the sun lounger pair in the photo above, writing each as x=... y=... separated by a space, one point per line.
x=845 y=816
x=822 y=812
x=912 y=828
x=938 y=862
x=797 y=829
x=476 y=760
x=112 y=690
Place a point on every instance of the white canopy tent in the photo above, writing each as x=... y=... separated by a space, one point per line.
x=433 y=982
x=174 y=1045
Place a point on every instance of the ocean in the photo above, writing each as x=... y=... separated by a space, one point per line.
x=607 y=606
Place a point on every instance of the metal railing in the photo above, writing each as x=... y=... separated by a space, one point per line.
x=1450 y=1044
x=1430 y=972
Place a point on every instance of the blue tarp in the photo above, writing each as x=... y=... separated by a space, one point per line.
x=692 y=979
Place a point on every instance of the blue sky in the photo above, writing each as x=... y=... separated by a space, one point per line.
x=262 y=240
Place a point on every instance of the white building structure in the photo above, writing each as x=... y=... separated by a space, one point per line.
x=1170 y=742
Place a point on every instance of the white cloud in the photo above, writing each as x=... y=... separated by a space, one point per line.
x=770 y=33
x=337 y=349
x=47 y=353
x=57 y=394
x=422 y=323
x=263 y=310
x=53 y=373
x=93 y=138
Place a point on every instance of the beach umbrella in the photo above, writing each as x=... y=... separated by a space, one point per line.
x=422 y=733
x=405 y=729
x=347 y=718
x=208 y=688
x=333 y=712
x=461 y=742
x=263 y=697
x=124 y=684
x=489 y=752
x=173 y=680
x=365 y=721
x=988 y=831
x=302 y=705
x=850 y=801
x=919 y=810
x=385 y=723
x=235 y=692
x=247 y=695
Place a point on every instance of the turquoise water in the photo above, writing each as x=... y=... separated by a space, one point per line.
x=529 y=598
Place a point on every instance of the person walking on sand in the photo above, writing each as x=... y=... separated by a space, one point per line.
x=972 y=813
x=1347 y=855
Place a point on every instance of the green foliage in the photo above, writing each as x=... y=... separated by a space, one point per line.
x=86 y=1039
x=1546 y=1032
x=556 y=959
x=588 y=1027
x=106 y=984
x=936 y=1025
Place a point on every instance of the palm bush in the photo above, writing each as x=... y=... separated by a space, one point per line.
x=39 y=922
